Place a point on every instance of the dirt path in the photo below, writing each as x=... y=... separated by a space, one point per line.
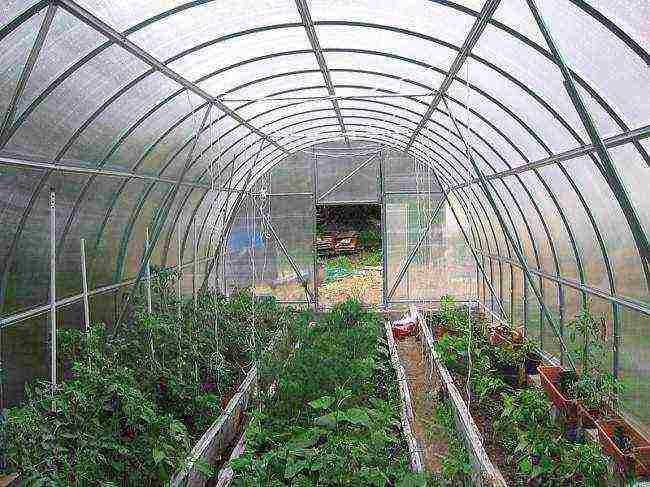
x=430 y=439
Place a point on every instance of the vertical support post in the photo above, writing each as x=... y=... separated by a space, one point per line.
x=512 y=296
x=541 y=313
x=384 y=230
x=147 y=271
x=617 y=339
x=561 y=302
x=525 y=303
x=84 y=284
x=315 y=219
x=53 y=289
x=195 y=263
x=179 y=267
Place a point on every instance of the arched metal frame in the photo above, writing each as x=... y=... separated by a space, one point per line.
x=427 y=144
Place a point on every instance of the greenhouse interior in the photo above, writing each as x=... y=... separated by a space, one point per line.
x=324 y=242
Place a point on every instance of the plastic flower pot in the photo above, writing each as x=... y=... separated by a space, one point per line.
x=549 y=376
x=637 y=459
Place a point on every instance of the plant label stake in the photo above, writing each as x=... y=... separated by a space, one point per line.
x=84 y=284
x=53 y=288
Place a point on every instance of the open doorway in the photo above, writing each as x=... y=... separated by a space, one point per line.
x=349 y=248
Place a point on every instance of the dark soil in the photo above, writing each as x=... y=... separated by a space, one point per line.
x=433 y=444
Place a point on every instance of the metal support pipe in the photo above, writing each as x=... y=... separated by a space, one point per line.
x=384 y=229
x=84 y=285
x=53 y=289
x=516 y=249
x=194 y=267
x=179 y=265
x=346 y=178
x=413 y=252
x=314 y=222
x=148 y=271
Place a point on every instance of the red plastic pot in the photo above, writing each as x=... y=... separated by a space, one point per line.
x=549 y=376
x=403 y=330
x=638 y=460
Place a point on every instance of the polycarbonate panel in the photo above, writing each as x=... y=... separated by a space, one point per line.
x=622 y=251
x=239 y=49
x=50 y=127
x=635 y=174
x=634 y=361
x=144 y=215
x=601 y=57
x=361 y=187
x=414 y=15
x=550 y=342
x=461 y=266
x=385 y=41
x=526 y=65
x=373 y=106
x=13 y=8
x=286 y=113
x=67 y=41
x=256 y=259
x=111 y=233
x=99 y=136
x=583 y=231
x=25 y=357
x=405 y=74
x=153 y=142
x=557 y=228
x=13 y=56
x=540 y=237
x=229 y=81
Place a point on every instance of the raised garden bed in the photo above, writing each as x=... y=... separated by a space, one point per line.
x=520 y=436
x=146 y=400
x=332 y=416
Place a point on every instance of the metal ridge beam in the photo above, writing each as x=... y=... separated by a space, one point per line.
x=472 y=38
x=100 y=26
x=305 y=15
x=610 y=142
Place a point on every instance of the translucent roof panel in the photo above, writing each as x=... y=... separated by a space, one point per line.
x=240 y=49
x=603 y=59
x=384 y=41
x=412 y=15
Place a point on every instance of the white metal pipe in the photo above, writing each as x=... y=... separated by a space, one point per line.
x=148 y=271
x=53 y=289
x=179 y=266
x=195 y=266
x=84 y=284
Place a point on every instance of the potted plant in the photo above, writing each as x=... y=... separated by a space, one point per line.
x=626 y=444
x=596 y=389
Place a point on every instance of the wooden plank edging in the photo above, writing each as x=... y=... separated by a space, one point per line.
x=223 y=432
x=406 y=410
x=485 y=472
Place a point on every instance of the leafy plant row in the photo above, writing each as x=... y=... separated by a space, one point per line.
x=530 y=448
x=333 y=419
x=135 y=399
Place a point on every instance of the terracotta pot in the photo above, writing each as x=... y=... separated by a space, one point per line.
x=9 y=480
x=549 y=376
x=638 y=459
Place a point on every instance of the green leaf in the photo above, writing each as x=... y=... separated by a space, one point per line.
x=355 y=416
x=328 y=421
x=322 y=403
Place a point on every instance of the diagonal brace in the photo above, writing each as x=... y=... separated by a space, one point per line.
x=411 y=256
x=342 y=181
x=292 y=263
